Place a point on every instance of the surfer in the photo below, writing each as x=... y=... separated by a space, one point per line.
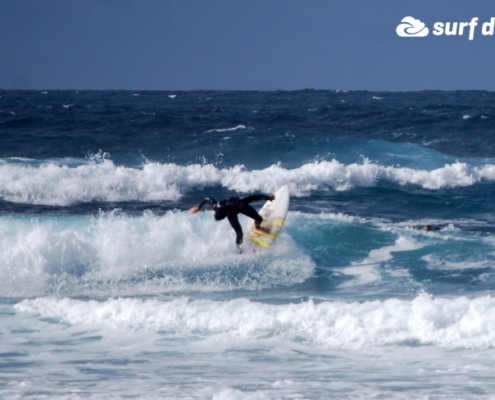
x=429 y=228
x=231 y=207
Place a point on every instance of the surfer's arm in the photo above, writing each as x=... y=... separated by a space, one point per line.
x=258 y=197
x=210 y=200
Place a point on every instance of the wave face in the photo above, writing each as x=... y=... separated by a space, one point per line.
x=317 y=255
x=108 y=281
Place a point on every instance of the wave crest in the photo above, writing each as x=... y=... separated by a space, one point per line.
x=54 y=184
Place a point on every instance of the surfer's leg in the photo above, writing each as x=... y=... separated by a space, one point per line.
x=234 y=222
x=250 y=212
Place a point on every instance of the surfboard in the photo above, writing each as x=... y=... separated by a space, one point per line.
x=274 y=214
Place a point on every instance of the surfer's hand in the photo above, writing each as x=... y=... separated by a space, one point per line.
x=194 y=210
x=271 y=197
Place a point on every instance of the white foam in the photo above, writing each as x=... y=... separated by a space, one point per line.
x=121 y=254
x=403 y=243
x=446 y=322
x=234 y=128
x=367 y=271
x=435 y=262
x=53 y=183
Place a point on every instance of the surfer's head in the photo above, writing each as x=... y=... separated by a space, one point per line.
x=220 y=210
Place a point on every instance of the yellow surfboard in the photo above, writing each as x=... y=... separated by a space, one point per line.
x=274 y=214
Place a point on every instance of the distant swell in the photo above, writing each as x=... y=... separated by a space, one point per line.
x=54 y=184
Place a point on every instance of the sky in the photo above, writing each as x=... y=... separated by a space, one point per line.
x=246 y=45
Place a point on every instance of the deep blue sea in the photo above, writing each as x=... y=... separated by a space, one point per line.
x=111 y=289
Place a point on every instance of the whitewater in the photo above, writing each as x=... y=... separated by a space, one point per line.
x=112 y=290
x=56 y=183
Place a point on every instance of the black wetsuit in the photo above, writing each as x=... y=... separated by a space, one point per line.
x=231 y=207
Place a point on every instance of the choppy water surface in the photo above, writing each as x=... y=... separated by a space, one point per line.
x=111 y=289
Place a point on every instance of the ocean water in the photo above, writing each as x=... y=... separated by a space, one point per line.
x=112 y=290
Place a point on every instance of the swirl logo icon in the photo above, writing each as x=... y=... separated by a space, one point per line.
x=411 y=27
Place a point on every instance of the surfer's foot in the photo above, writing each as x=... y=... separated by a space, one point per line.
x=262 y=228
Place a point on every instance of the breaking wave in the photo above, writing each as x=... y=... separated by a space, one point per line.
x=52 y=183
x=423 y=321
